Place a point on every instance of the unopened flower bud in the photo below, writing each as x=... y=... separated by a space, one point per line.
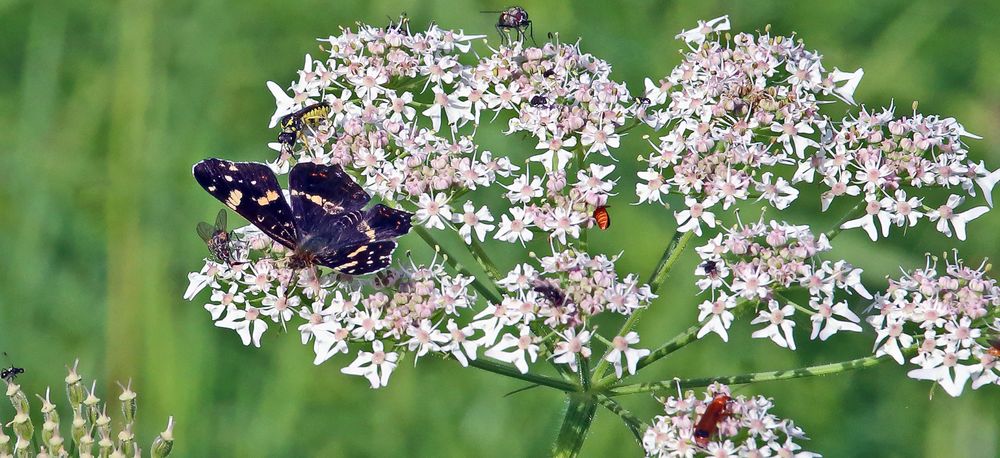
x=22 y=425
x=164 y=442
x=17 y=397
x=128 y=402
x=74 y=388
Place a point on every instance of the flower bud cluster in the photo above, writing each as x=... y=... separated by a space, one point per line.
x=90 y=426
x=746 y=428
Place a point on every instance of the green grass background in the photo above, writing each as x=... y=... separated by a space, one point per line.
x=105 y=105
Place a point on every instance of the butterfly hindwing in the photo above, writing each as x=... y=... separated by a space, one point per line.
x=359 y=259
x=252 y=190
x=322 y=192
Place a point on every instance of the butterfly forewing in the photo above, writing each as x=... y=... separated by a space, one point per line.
x=252 y=190
x=320 y=193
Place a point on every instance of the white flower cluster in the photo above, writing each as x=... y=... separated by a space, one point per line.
x=736 y=110
x=408 y=309
x=951 y=317
x=754 y=262
x=888 y=160
x=419 y=308
x=391 y=93
x=747 y=421
x=558 y=303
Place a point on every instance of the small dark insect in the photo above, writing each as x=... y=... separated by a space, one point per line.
x=710 y=267
x=642 y=100
x=994 y=347
x=293 y=124
x=716 y=411
x=325 y=225
x=549 y=73
x=602 y=217
x=539 y=101
x=9 y=374
x=401 y=26
x=513 y=18
x=550 y=291
x=218 y=239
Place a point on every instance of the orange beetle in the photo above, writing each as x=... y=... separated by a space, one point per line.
x=708 y=424
x=602 y=217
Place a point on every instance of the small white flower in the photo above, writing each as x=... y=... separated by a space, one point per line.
x=722 y=317
x=376 y=365
x=433 y=211
x=474 y=221
x=517 y=227
x=518 y=351
x=690 y=220
x=779 y=328
x=247 y=323
x=621 y=348
x=573 y=344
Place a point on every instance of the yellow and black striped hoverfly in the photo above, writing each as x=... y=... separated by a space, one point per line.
x=293 y=125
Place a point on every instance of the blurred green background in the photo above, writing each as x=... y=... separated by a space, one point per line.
x=105 y=106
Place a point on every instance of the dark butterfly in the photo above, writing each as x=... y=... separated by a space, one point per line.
x=325 y=223
x=218 y=239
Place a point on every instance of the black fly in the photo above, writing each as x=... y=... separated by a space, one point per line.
x=513 y=18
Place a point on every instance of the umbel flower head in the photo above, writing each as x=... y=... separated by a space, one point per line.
x=90 y=426
x=753 y=263
x=950 y=318
x=746 y=427
x=738 y=113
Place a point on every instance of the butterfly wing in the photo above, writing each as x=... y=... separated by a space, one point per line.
x=252 y=190
x=359 y=259
x=360 y=241
x=321 y=193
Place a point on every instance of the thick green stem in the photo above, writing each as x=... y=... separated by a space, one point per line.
x=579 y=415
x=811 y=371
x=670 y=256
x=484 y=260
x=512 y=372
x=484 y=290
x=633 y=423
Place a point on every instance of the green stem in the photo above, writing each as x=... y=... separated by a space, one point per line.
x=632 y=422
x=810 y=371
x=453 y=262
x=484 y=260
x=579 y=416
x=670 y=256
x=512 y=372
x=856 y=211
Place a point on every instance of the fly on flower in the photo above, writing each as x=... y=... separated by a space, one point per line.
x=602 y=218
x=513 y=18
x=293 y=125
x=716 y=411
x=218 y=239
x=401 y=26
x=325 y=224
x=9 y=374
x=994 y=347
